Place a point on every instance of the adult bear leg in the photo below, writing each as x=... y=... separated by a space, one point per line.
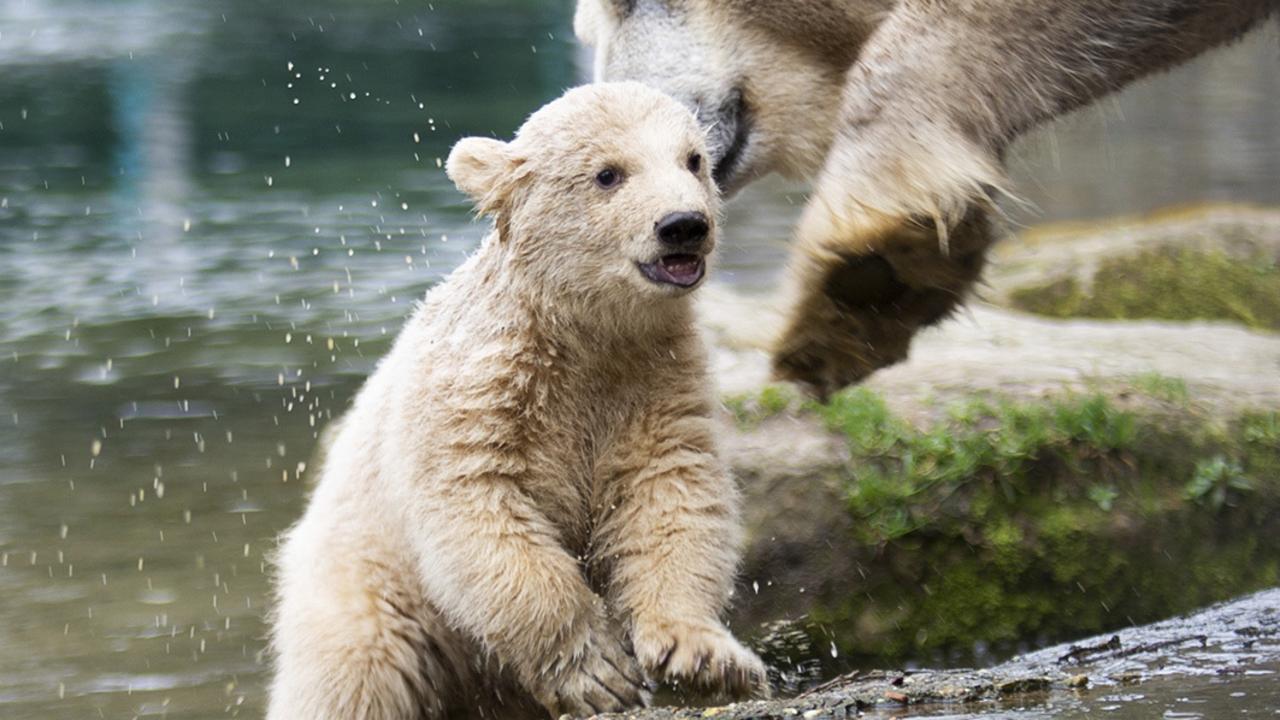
x=900 y=221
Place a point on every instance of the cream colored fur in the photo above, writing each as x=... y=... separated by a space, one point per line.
x=900 y=110
x=524 y=513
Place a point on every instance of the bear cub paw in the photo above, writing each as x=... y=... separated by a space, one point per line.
x=604 y=678
x=703 y=656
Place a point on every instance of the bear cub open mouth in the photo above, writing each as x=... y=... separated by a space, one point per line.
x=680 y=269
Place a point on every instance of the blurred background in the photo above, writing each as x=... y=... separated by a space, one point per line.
x=214 y=215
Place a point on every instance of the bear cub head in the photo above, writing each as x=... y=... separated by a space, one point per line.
x=605 y=194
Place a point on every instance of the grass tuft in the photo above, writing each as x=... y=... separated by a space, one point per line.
x=1162 y=387
x=901 y=475
x=749 y=410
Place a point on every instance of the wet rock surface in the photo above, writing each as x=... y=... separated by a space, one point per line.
x=1230 y=651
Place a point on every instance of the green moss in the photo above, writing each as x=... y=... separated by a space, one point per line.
x=863 y=417
x=774 y=399
x=738 y=407
x=1169 y=284
x=1162 y=387
x=749 y=410
x=904 y=474
x=1261 y=430
x=1011 y=522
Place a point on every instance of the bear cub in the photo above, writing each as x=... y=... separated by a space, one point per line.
x=524 y=513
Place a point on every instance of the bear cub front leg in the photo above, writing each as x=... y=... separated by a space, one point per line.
x=494 y=566
x=672 y=542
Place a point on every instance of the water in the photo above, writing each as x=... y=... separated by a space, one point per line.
x=213 y=218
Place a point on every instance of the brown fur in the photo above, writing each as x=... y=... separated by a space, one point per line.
x=525 y=514
x=903 y=125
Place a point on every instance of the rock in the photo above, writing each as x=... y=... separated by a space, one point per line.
x=1020 y=686
x=1161 y=651
x=1075 y=250
x=1132 y=677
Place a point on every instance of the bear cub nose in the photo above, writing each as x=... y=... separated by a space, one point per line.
x=682 y=228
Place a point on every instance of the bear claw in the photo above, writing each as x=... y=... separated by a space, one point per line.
x=705 y=656
x=865 y=286
x=607 y=679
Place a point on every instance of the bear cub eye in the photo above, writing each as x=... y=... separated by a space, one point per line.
x=608 y=178
x=694 y=163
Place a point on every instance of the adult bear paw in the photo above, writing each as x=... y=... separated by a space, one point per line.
x=859 y=301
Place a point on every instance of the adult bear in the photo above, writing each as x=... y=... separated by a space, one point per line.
x=902 y=110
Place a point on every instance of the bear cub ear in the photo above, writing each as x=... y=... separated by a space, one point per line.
x=481 y=168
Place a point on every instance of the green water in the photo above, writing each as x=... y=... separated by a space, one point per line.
x=213 y=217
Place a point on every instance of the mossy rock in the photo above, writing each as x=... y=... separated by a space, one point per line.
x=1012 y=524
x=1167 y=283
